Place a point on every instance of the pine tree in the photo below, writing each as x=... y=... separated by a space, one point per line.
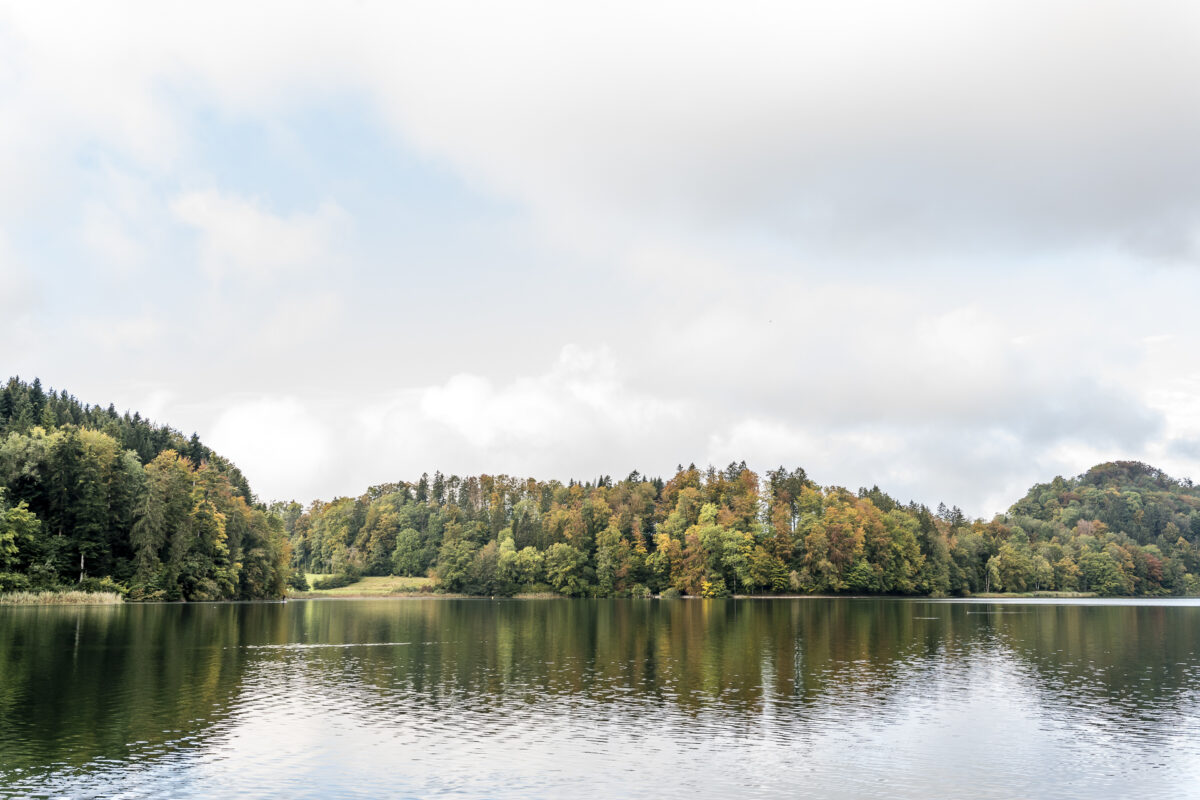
x=196 y=452
x=48 y=421
x=37 y=398
x=89 y=514
x=22 y=412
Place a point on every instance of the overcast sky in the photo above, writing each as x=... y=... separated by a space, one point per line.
x=951 y=248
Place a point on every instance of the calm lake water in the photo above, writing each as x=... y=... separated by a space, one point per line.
x=603 y=699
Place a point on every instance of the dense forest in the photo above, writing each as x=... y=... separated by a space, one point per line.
x=1120 y=529
x=96 y=499
x=93 y=498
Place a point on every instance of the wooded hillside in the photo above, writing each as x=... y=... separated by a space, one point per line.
x=89 y=496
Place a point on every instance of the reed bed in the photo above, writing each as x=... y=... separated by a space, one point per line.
x=60 y=598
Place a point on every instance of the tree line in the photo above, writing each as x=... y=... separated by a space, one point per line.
x=105 y=500
x=93 y=498
x=1120 y=529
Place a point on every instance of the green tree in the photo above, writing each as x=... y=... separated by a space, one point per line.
x=454 y=563
x=409 y=557
x=566 y=569
x=993 y=582
x=19 y=530
x=530 y=567
x=1100 y=572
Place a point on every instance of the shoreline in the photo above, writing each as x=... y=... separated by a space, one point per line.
x=544 y=596
x=77 y=599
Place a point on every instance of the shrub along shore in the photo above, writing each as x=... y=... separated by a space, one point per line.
x=61 y=599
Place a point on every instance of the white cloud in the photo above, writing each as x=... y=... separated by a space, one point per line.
x=471 y=407
x=19 y=301
x=552 y=423
x=278 y=444
x=14 y=278
x=122 y=220
x=855 y=126
x=895 y=243
x=110 y=238
x=238 y=237
x=298 y=320
x=845 y=125
x=122 y=335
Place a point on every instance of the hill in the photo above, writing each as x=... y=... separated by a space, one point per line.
x=1128 y=497
x=105 y=500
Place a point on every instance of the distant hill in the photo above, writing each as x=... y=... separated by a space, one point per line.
x=1128 y=497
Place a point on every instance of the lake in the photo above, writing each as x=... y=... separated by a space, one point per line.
x=846 y=698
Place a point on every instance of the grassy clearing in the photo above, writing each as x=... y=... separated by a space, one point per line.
x=60 y=599
x=372 y=586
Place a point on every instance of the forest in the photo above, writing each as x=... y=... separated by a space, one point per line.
x=1120 y=529
x=95 y=499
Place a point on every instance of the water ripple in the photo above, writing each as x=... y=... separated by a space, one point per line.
x=444 y=699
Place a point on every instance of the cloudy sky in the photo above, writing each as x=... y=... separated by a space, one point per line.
x=952 y=248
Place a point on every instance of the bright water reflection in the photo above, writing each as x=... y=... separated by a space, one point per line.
x=476 y=698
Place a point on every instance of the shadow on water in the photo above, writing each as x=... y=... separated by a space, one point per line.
x=81 y=682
